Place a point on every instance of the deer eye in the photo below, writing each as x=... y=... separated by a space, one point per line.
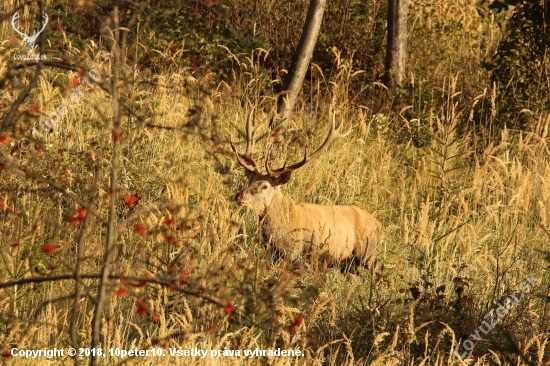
x=264 y=187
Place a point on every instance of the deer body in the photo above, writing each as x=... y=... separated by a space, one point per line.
x=334 y=233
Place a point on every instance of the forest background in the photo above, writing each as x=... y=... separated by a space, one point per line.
x=118 y=227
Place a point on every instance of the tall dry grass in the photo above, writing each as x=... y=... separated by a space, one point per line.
x=463 y=224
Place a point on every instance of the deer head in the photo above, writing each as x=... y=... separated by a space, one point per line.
x=262 y=188
x=30 y=40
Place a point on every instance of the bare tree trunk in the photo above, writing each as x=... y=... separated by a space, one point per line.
x=396 y=50
x=298 y=68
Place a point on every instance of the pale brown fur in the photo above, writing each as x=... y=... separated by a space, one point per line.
x=335 y=234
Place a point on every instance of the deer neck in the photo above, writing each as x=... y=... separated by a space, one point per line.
x=277 y=216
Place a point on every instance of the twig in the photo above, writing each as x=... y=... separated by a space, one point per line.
x=160 y=281
x=111 y=232
x=21 y=98
x=77 y=274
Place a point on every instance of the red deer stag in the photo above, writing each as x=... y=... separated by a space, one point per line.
x=337 y=234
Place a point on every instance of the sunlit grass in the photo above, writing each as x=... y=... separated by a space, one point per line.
x=462 y=227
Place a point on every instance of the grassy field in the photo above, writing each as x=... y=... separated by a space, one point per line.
x=465 y=216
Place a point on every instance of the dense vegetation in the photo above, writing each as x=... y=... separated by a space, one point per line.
x=139 y=171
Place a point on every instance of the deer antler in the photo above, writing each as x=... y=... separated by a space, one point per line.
x=245 y=159
x=13 y=21
x=333 y=134
x=36 y=33
x=46 y=18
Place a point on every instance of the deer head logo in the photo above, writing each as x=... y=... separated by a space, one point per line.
x=30 y=40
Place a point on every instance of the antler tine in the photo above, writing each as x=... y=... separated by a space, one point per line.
x=13 y=21
x=246 y=160
x=250 y=133
x=36 y=32
x=333 y=134
x=46 y=18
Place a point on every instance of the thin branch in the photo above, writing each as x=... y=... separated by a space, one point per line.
x=77 y=274
x=111 y=231
x=21 y=98
x=159 y=281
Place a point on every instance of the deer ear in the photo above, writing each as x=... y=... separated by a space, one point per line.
x=284 y=178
